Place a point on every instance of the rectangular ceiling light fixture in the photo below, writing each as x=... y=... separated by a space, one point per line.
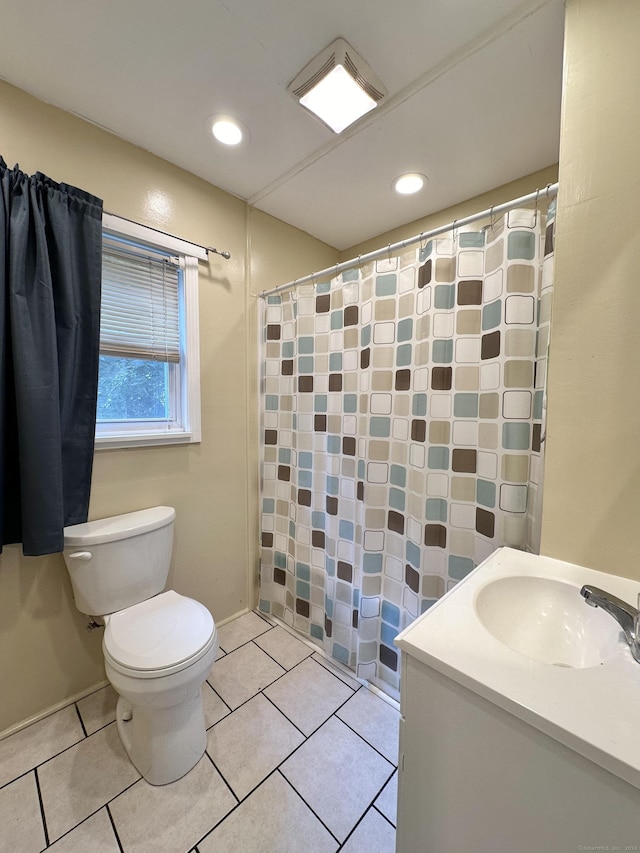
x=338 y=86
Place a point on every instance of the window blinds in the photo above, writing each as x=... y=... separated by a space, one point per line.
x=140 y=315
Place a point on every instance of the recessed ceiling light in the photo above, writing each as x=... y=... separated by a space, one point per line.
x=410 y=183
x=337 y=86
x=227 y=131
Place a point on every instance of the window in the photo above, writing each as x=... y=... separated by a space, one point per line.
x=149 y=380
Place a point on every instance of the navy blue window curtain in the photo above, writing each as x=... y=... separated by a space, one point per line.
x=50 y=275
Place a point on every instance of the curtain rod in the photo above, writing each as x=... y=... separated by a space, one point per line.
x=226 y=255
x=549 y=191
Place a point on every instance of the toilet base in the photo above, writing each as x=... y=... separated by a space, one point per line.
x=162 y=743
x=160 y=720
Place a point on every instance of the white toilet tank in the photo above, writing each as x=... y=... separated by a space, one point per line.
x=120 y=561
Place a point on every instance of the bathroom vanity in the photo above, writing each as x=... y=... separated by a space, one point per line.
x=520 y=726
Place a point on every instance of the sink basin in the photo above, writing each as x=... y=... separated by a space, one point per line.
x=546 y=620
x=498 y=634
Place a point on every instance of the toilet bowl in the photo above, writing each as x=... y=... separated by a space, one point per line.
x=158 y=648
x=157 y=655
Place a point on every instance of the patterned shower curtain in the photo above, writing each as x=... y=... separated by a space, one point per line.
x=402 y=418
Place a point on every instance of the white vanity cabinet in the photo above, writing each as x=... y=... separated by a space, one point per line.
x=502 y=753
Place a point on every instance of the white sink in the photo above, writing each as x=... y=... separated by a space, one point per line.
x=547 y=620
x=517 y=632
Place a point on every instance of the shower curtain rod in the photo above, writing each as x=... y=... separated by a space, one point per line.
x=549 y=191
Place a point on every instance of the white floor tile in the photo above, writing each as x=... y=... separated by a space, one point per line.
x=323 y=661
x=308 y=695
x=267 y=617
x=375 y=720
x=241 y=674
x=338 y=775
x=248 y=744
x=283 y=647
x=387 y=802
x=241 y=630
x=273 y=818
x=20 y=820
x=29 y=747
x=171 y=818
x=98 y=709
x=372 y=835
x=214 y=707
x=95 y=833
x=254 y=747
x=84 y=778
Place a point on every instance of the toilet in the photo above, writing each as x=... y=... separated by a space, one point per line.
x=158 y=645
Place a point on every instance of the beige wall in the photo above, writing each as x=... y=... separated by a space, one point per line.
x=46 y=656
x=591 y=505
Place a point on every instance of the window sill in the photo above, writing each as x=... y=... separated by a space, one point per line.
x=111 y=442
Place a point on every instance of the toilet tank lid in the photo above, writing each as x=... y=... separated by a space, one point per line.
x=118 y=526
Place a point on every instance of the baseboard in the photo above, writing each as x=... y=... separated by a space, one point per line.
x=52 y=709
x=231 y=618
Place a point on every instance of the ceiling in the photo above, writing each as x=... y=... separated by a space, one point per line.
x=473 y=95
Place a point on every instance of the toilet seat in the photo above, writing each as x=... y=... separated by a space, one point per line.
x=159 y=636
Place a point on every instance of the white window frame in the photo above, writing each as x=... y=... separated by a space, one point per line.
x=134 y=434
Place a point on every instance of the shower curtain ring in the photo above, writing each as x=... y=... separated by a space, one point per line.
x=389 y=252
x=535 y=217
x=455 y=230
x=359 y=262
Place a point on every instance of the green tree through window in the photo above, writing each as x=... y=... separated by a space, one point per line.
x=132 y=388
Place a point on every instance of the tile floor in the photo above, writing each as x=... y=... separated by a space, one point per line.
x=300 y=757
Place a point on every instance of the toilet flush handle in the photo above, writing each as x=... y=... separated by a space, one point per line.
x=80 y=555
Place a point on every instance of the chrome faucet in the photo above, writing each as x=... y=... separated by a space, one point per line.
x=625 y=615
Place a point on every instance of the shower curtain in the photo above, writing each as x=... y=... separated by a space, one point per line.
x=402 y=418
